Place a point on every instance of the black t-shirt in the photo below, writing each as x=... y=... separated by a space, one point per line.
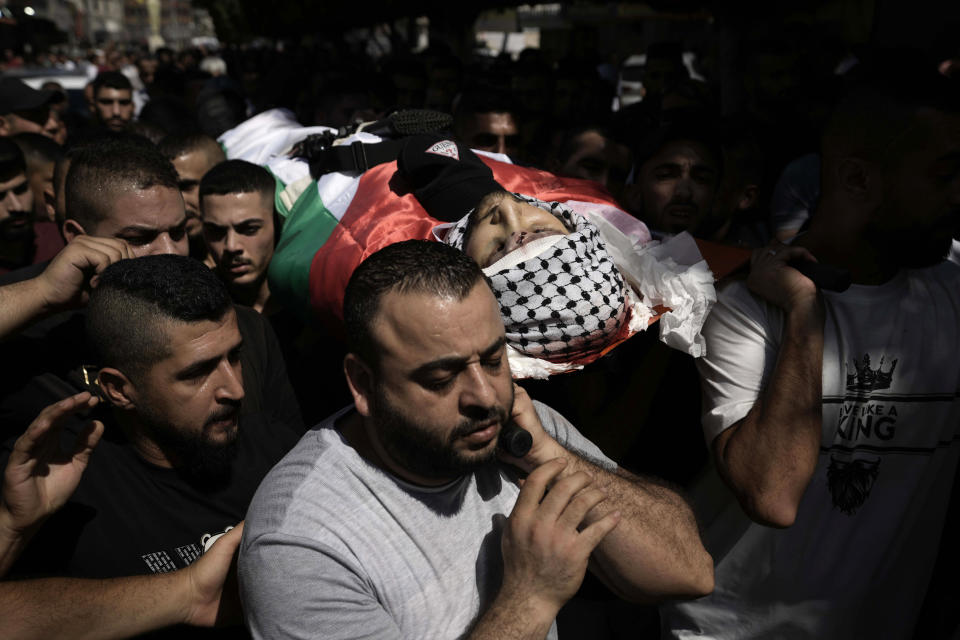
x=128 y=517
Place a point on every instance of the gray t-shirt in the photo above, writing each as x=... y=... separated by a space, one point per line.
x=334 y=547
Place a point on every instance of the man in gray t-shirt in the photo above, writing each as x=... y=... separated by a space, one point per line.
x=398 y=517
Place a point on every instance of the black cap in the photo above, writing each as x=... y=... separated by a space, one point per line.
x=16 y=95
x=446 y=177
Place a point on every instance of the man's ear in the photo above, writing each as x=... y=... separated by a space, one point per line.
x=859 y=179
x=50 y=206
x=360 y=380
x=748 y=197
x=117 y=388
x=71 y=229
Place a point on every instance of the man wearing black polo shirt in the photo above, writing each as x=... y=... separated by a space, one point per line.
x=186 y=441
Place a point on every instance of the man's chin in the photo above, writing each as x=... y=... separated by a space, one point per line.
x=476 y=459
x=677 y=222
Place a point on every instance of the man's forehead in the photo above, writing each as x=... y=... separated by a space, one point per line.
x=682 y=151
x=495 y=122
x=156 y=207
x=193 y=164
x=190 y=341
x=419 y=327
x=232 y=208
x=110 y=93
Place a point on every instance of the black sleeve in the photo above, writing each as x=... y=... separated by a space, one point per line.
x=265 y=380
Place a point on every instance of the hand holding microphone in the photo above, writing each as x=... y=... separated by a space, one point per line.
x=515 y=440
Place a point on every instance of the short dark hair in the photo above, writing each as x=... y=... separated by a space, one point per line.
x=37 y=148
x=177 y=144
x=237 y=176
x=694 y=126
x=11 y=160
x=111 y=80
x=413 y=266
x=483 y=100
x=135 y=297
x=104 y=168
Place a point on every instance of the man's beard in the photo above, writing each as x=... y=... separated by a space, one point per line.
x=917 y=248
x=417 y=449
x=198 y=458
x=18 y=227
x=115 y=124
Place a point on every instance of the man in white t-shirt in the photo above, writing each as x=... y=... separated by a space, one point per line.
x=834 y=418
x=396 y=518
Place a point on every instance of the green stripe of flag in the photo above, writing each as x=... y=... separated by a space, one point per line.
x=307 y=227
x=277 y=202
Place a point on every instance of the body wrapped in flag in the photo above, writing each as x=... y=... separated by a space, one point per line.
x=333 y=222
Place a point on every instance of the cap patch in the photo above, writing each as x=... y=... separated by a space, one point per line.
x=446 y=148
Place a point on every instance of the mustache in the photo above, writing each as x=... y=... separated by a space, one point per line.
x=226 y=412
x=469 y=425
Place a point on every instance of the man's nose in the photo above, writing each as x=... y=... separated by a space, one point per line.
x=13 y=202
x=232 y=243
x=501 y=146
x=477 y=391
x=516 y=240
x=684 y=189
x=230 y=388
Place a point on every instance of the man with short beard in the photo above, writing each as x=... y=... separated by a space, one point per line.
x=185 y=444
x=241 y=227
x=113 y=101
x=833 y=414
x=193 y=155
x=678 y=170
x=398 y=517
x=21 y=243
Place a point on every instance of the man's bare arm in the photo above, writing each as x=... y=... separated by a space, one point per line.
x=64 y=284
x=123 y=607
x=769 y=457
x=655 y=551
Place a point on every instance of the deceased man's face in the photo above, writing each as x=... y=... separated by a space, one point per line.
x=501 y=224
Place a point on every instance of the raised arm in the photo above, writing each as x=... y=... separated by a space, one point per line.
x=769 y=457
x=39 y=477
x=199 y=595
x=64 y=284
x=655 y=551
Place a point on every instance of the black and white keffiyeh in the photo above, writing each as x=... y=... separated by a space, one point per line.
x=564 y=303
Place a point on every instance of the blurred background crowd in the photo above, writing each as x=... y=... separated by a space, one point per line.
x=580 y=89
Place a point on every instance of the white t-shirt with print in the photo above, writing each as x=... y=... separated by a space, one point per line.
x=857 y=561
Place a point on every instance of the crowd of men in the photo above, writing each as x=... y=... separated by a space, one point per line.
x=161 y=468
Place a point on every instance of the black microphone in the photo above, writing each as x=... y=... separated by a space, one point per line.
x=824 y=276
x=514 y=440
